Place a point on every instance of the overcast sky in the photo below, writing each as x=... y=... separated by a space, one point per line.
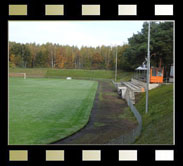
x=77 y=33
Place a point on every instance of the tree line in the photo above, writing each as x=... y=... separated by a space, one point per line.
x=31 y=55
x=130 y=56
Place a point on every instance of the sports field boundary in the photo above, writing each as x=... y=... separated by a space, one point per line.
x=81 y=137
x=81 y=127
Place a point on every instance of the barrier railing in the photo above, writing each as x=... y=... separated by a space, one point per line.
x=130 y=137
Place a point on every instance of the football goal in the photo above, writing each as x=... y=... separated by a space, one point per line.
x=17 y=75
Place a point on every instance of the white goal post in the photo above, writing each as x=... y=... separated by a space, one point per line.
x=17 y=75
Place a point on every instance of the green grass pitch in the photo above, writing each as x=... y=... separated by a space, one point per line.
x=43 y=110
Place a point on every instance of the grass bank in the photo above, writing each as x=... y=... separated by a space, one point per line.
x=30 y=72
x=158 y=122
x=89 y=74
x=74 y=73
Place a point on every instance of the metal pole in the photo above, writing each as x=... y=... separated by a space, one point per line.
x=116 y=63
x=148 y=68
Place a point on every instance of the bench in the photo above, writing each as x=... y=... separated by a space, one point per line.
x=133 y=87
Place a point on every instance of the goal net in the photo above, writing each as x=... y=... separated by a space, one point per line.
x=17 y=75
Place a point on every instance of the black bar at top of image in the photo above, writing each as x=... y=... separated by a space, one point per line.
x=18 y=1
x=35 y=8
x=108 y=9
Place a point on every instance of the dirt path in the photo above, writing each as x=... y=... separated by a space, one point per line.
x=106 y=122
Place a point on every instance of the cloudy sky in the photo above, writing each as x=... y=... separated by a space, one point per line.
x=77 y=33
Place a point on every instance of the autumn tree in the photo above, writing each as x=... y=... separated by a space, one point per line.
x=33 y=51
x=130 y=55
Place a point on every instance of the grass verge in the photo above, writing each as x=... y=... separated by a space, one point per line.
x=158 y=122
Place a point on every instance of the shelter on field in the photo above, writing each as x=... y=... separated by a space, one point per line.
x=156 y=74
x=127 y=90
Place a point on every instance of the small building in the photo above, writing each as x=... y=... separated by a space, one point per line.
x=141 y=73
x=127 y=90
x=156 y=74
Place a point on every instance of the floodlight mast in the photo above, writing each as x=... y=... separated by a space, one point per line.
x=148 y=67
x=116 y=63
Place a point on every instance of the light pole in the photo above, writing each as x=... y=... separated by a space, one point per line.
x=116 y=63
x=148 y=67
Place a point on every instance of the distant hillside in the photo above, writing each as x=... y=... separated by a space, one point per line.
x=74 y=73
